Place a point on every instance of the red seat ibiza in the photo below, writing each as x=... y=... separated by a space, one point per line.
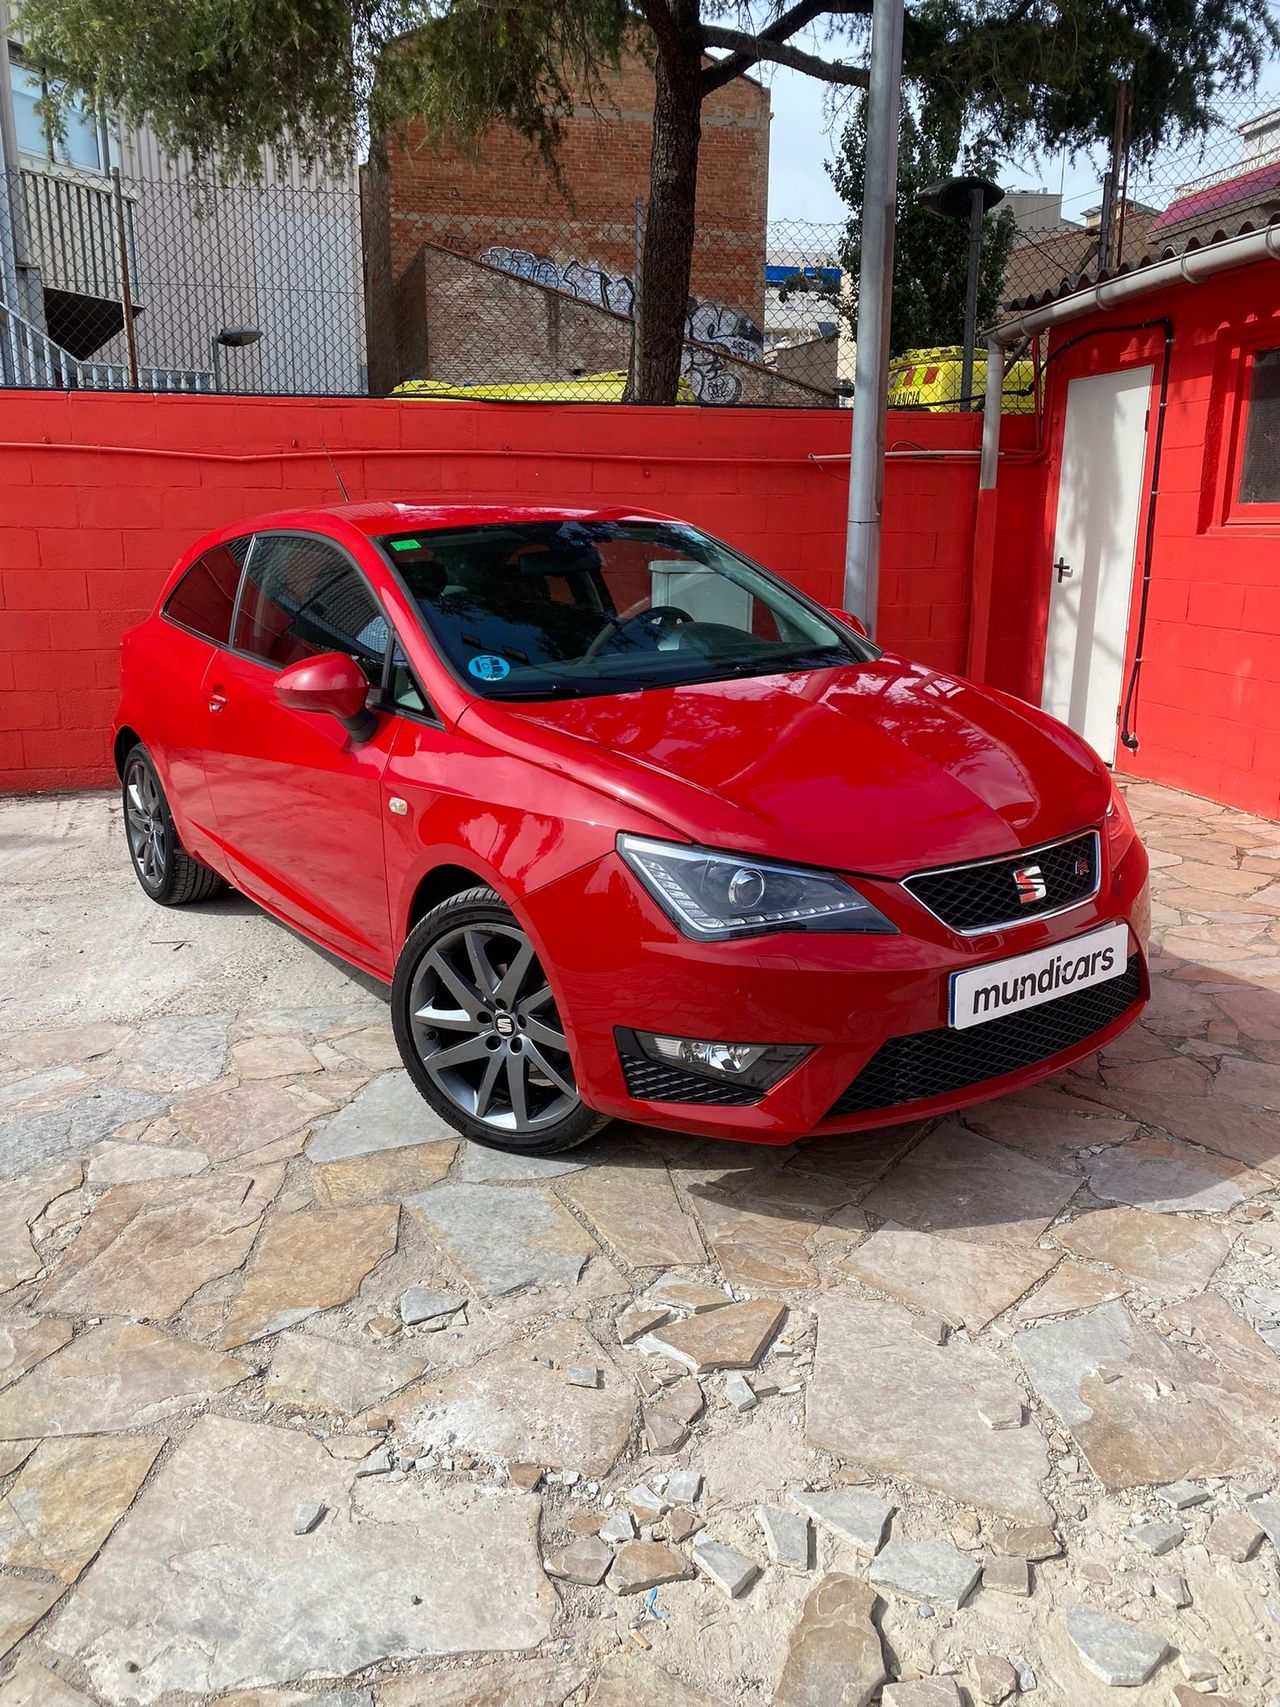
x=633 y=828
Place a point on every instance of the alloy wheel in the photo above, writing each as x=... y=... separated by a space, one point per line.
x=486 y=1029
x=144 y=815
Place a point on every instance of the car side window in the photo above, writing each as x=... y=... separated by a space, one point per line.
x=402 y=691
x=302 y=596
x=205 y=597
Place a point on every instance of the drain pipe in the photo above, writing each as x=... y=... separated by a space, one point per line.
x=1110 y=293
x=1128 y=718
x=984 y=524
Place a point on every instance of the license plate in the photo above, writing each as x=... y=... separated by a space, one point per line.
x=1007 y=986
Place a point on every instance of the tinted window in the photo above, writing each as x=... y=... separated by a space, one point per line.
x=303 y=597
x=540 y=610
x=1260 y=469
x=205 y=596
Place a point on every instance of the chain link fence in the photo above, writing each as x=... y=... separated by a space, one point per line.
x=114 y=281
x=461 y=303
x=143 y=277
x=1217 y=185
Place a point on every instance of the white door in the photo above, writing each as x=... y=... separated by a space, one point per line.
x=1099 y=504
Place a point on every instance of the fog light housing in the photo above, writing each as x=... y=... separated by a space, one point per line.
x=760 y=1065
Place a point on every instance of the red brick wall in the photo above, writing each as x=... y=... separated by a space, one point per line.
x=1208 y=716
x=103 y=492
x=502 y=195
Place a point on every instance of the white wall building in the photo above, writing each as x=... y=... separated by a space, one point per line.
x=281 y=257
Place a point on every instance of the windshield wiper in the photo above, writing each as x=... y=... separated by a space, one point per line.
x=549 y=690
x=768 y=665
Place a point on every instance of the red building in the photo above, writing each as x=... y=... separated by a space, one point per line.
x=1134 y=588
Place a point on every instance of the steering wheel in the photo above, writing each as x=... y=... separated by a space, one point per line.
x=653 y=623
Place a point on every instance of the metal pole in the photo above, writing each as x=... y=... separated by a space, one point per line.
x=1105 y=219
x=875 y=298
x=635 y=301
x=216 y=355
x=10 y=202
x=988 y=468
x=1120 y=166
x=126 y=293
x=976 y=208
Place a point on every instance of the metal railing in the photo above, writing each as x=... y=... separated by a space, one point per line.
x=30 y=358
x=71 y=230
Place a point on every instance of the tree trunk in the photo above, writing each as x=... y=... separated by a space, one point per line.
x=663 y=302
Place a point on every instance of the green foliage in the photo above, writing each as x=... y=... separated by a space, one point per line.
x=1044 y=72
x=231 y=81
x=221 y=77
x=930 y=255
x=232 y=78
x=986 y=78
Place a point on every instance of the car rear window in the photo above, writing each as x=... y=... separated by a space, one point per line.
x=205 y=596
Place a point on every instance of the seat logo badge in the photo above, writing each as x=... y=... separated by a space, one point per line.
x=400 y=808
x=504 y=1025
x=1031 y=884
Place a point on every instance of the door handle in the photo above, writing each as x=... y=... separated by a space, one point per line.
x=1063 y=568
x=217 y=699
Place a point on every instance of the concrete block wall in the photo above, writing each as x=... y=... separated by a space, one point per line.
x=102 y=492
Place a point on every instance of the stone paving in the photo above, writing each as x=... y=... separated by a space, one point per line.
x=302 y=1400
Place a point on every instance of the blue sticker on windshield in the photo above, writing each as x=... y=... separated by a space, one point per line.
x=489 y=667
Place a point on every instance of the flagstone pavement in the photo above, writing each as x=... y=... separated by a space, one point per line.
x=302 y=1400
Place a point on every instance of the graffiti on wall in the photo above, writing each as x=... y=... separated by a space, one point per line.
x=709 y=327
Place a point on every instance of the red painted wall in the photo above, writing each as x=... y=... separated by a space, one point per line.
x=100 y=493
x=1208 y=716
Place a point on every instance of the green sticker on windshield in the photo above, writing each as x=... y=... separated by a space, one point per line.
x=406 y=545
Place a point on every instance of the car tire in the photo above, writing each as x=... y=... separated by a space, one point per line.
x=476 y=1026
x=166 y=871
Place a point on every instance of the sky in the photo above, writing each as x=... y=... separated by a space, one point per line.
x=805 y=133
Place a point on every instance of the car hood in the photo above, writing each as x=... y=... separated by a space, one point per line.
x=879 y=768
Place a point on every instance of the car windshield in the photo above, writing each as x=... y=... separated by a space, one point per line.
x=551 y=609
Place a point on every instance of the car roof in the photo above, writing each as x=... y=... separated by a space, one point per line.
x=382 y=516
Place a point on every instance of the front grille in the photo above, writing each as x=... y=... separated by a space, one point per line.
x=931 y=1063
x=653 y=1081
x=985 y=896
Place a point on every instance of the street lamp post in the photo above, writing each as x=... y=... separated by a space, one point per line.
x=230 y=338
x=966 y=198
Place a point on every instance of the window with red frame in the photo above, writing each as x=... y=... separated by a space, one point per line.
x=1260 y=451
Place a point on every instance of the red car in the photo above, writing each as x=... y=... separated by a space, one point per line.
x=633 y=828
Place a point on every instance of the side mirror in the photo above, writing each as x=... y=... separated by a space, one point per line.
x=331 y=683
x=848 y=618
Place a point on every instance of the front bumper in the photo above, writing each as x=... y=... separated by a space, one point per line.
x=615 y=960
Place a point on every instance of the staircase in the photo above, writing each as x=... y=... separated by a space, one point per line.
x=30 y=359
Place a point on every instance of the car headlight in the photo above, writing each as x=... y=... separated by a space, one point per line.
x=715 y=896
x=1121 y=834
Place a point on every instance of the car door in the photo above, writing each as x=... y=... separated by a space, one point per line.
x=297 y=798
x=196 y=622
